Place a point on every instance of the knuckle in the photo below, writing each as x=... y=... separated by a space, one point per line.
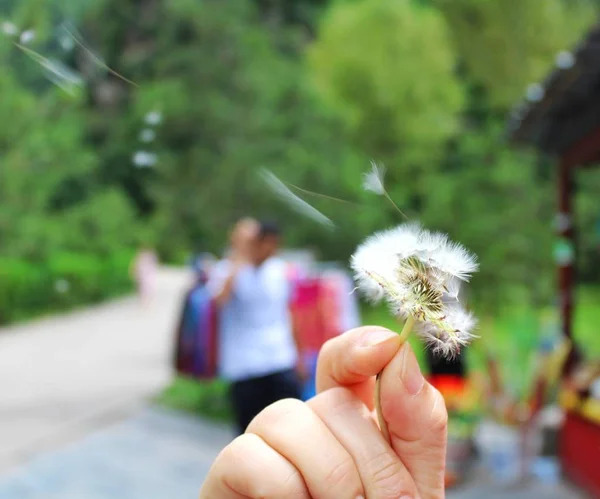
x=342 y=476
x=237 y=450
x=276 y=413
x=387 y=476
x=236 y=467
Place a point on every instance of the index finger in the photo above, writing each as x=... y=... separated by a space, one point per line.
x=353 y=359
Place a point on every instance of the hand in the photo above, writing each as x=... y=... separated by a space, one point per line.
x=331 y=447
x=242 y=238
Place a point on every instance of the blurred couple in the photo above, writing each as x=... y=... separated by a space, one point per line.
x=258 y=344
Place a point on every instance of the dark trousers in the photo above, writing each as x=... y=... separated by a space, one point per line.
x=250 y=396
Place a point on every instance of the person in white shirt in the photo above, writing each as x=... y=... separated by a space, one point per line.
x=257 y=347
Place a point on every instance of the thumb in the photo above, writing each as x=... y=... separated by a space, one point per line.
x=417 y=420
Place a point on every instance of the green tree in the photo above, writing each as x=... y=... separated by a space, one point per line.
x=499 y=203
x=506 y=46
x=388 y=68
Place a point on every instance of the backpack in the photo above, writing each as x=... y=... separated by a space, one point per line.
x=197 y=336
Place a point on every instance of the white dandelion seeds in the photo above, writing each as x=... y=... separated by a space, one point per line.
x=295 y=202
x=418 y=273
x=373 y=180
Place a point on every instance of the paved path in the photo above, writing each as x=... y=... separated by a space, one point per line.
x=159 y=454
x=61 y=377
x=154 y=455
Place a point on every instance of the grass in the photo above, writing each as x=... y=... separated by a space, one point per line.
x=512 y=336
x=204 y=398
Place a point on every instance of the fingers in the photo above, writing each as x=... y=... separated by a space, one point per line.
x=382 y=473
x=296 y=432
x=247 y=468
x=354 y=358
x=417 y=420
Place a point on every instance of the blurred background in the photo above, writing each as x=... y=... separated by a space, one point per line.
x=133 y=132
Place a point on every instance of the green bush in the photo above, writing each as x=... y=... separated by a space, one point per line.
x=64 y=281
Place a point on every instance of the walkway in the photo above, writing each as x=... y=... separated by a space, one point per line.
x=62 y=377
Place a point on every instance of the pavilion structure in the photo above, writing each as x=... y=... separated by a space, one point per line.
x=560 y=117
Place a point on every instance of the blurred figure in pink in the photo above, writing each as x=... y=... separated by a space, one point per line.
x=143 y=271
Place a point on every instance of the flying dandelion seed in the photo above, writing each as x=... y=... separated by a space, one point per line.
x=62 y=76
x=295 y=202
x=77 y=39
x=374 y=180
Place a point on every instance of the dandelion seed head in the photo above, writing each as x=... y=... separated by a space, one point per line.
x=418 y=273
x=373 y=180
x=448 y=335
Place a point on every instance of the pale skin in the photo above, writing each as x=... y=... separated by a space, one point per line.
x=331 y=446
x=242 y=237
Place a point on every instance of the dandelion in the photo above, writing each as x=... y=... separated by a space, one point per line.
x=418 y=273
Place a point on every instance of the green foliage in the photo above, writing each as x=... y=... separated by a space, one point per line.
x=507 y=45
x=495 y=201
x=421 y=85
x=63 y=282
x=208 y=399
x=388 y=67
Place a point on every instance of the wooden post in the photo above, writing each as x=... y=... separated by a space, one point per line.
x=566 y=266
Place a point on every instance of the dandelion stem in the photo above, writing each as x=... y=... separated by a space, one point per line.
x=324 y=196
x=408 y=325
x=387 y=196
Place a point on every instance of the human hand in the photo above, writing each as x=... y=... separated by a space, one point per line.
x=242 y=237
x=331 y=446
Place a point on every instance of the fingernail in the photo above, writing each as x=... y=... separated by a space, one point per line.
x=411 y=372
x=377 y=336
